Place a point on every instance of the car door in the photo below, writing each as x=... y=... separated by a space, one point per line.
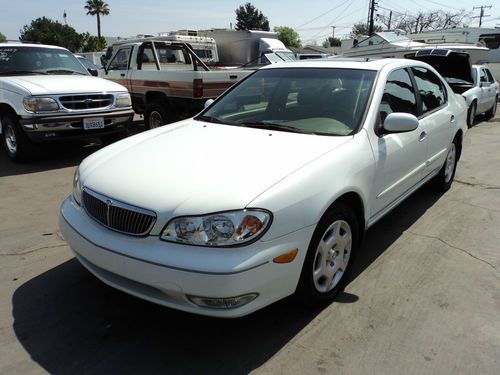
x=118 y=67
x=485 y=98
x=400 y=157
x=491 y=91
x=436 y=118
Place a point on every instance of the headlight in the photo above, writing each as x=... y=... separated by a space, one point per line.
x=38 y=104
x=77 y=187
x=123 y=100
x=233 y=228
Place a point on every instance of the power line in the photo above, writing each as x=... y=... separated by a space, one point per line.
x=323 y=14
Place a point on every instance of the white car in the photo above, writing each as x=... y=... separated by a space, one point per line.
x=269 y=190
x=483 y=96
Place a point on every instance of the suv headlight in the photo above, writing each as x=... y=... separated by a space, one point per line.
x=233 y=228
x=40 y=104
x=77 y=187
x=123 y=100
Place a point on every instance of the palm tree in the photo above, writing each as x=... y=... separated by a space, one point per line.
x=97 y=8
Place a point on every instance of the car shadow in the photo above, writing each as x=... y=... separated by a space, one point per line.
x=69 y=322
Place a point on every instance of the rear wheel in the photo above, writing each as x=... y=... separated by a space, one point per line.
x=16 y=143
x=471 y=114
x=493 y=110
x=442 y=182
x=155 y=115
x=329 y=256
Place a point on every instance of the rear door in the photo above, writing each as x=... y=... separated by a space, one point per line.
x=436 y=119
x=488 y=89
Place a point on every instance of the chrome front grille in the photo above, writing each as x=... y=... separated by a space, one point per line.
x=86 y=101
x=117 y=215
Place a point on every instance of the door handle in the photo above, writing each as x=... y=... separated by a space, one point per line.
x=122 y=75
x=422 y=136
x=452 y=118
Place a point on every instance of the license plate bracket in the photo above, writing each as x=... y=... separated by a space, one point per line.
x=93 y=123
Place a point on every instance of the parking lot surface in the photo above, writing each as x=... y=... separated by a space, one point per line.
x=424 y=296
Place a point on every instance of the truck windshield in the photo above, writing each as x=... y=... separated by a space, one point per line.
x=321 y=101
x=21 y=60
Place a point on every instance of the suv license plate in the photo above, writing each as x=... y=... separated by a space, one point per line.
x=93 y=123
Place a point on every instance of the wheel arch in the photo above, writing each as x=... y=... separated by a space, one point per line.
x=6 y=109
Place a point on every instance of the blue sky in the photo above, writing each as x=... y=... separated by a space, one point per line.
x=311 y=19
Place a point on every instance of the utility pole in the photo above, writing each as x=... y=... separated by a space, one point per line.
x=389 y=23
x=481 y=13
x=370 y=20
x=333 y=31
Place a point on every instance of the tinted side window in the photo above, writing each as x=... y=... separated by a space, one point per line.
x=482 y=76
x=399 y=95
x=431 y=89
x=120 y=61
x=490 y=76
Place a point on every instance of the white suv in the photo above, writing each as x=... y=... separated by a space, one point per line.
x=46 y=94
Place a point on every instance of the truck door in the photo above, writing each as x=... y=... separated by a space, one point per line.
x=118 y=67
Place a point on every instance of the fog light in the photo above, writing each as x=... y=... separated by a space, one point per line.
x=223 y=303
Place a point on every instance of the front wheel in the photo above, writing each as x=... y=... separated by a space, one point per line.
x=329 y=256
x=16 y=143
x=155 y=116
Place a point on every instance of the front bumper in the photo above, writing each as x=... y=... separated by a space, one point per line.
x=51 y=128
x=166 y=273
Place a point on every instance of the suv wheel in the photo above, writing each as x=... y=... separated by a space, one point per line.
x=16 y=143
x=155 y=116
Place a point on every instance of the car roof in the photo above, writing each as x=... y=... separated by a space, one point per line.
x=348 y=63
x=20 y=44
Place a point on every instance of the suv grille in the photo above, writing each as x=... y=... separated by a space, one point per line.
x=86 y=101
x=117 y=215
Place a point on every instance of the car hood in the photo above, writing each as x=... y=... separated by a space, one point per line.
x=194 y=167
x=450 y=64
x=62 y=84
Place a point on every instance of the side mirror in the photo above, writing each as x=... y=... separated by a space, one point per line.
x=400 y=122
x=208 y=103
x=93 y=72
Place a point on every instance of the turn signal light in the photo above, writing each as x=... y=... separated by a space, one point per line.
x=286 y=257
x=197 y=88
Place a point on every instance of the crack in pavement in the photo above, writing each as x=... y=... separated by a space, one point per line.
x=34 y=250
x=474 y=184
x=474 y=205
x=455 y=247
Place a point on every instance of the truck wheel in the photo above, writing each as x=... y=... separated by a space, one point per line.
x=155 y=116
x=329 y=257
x=16 y=143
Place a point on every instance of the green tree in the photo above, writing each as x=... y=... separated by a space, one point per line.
x=3 y=38
x=93 y=43
x=249 y=17
x=331 y=42
x=361 y=29
x=288 y=36
x=46 y=31
x=97 y=8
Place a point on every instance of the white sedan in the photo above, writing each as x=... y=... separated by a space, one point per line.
x=483 y=96
x=269 y=190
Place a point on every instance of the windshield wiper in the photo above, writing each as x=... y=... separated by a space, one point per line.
x=214 y=120
x=275 y=126
x=22 y=72
x=51 y=71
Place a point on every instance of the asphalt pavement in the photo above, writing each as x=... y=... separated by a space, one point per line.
x=424 y=297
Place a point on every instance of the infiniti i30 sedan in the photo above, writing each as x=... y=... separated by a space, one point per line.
x=268 y=191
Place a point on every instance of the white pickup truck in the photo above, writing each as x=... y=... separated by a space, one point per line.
x=166 y=80
x=46 y=94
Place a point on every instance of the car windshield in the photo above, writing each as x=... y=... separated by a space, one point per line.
x=19 y=60
x=324 y=101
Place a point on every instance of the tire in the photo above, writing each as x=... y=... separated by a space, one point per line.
x=155 y=115
x=443 y=180
x=471 y=114
x=493 y=110
x=325 y=272
x=16 y=143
